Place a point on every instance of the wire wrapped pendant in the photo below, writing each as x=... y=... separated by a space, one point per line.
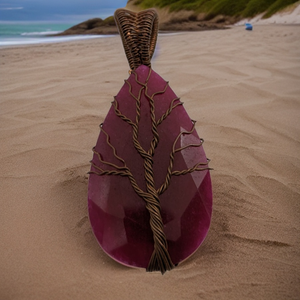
x=149 y=194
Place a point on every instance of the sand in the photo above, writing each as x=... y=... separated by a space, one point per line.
x=242 y=87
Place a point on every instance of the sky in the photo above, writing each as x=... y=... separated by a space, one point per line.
x=57 y=10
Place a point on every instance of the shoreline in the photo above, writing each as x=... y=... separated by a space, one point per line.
x=47 y=40
x=76 y=38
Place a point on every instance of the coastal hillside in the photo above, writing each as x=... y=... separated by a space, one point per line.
x=192 y=15
x=213 y=8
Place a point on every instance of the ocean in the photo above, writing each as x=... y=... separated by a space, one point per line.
x=21 y=33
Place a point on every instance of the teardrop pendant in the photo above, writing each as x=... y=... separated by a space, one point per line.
x=150 y=195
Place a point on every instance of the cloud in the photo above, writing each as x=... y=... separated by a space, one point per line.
x=11 y=8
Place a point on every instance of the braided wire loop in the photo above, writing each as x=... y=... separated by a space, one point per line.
x=138 y=32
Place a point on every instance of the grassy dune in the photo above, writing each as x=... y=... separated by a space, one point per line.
x=212 y=8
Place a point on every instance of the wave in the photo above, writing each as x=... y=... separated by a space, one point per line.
x=48 y=32
x=42 y=40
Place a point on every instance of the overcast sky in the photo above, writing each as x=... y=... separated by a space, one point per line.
x=57 y=10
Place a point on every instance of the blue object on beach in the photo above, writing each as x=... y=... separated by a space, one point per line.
x=248 y=26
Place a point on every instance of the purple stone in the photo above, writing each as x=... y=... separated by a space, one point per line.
x=118 y=215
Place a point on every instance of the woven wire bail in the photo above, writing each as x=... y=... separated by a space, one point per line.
x=138 y=32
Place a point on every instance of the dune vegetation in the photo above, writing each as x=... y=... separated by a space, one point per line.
x=212 y=8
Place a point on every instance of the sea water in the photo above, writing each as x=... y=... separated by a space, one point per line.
x=25 y=33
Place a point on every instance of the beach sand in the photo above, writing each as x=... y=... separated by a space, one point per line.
x=242 y=87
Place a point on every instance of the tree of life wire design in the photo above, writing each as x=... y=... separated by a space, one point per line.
x=160 y=259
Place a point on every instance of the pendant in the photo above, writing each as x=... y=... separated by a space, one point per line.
x=149 y=193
